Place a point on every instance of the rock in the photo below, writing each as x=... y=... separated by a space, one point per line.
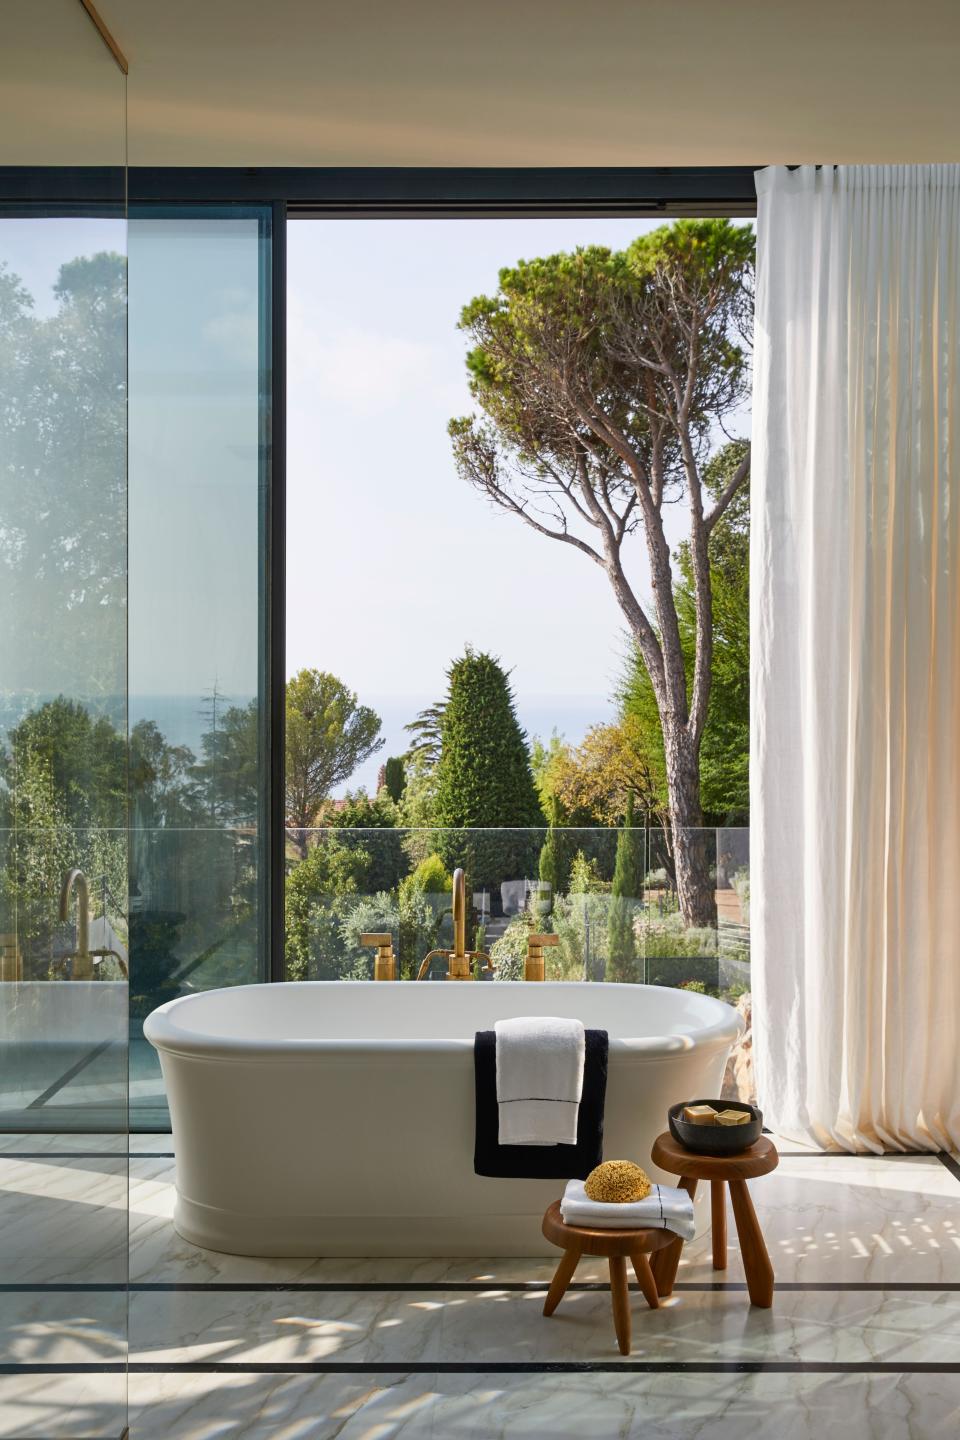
x=738 y=1080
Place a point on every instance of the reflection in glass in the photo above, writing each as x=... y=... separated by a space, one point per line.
x=63 y=736
x=199 y=337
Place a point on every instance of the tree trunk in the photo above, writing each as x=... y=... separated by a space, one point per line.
x=695 y=890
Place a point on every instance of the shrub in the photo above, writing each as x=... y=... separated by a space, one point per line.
x=740 y=880
x=369 y=915
x=431 y=877
x=509 y=953
x=370 y=825
x=395 y=778
x=625 y=900
x=317 y=892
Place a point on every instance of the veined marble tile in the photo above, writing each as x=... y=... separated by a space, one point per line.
x=877 y=1218
x=63 y=1220
x=58 y=1327
x=390 y=1328
x=69 y=1407
x=558 y=1406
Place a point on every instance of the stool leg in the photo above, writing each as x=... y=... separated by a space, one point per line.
x=756 y=1261
x=558 y=1285
x=718 y=1216
x=641 y=1268
x=665 y=1261
x=620 y=1295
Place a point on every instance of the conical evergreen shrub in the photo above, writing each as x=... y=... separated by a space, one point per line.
x=622 y=960
x=484 y=780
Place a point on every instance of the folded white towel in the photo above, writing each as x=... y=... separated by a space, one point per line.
x=539 y=1080
x=666 y=1207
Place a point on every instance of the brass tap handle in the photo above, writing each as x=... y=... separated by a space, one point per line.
x=535 y=968
x=385 y=962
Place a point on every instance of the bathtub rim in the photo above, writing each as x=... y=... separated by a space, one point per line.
x=168 y=1038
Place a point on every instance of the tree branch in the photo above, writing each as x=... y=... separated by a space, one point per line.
x=727 y=494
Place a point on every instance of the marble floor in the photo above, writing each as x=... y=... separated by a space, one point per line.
x=863 y=1339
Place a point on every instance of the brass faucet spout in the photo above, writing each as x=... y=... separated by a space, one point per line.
x=459 y=959
x=76 y=880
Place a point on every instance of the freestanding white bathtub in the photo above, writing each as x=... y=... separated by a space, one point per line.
x=329 y=1118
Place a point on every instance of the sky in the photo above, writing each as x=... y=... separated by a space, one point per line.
x=394 y=563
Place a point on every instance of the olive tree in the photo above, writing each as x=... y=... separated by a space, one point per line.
x=603 y=380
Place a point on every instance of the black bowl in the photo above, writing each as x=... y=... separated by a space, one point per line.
x=715 y=1139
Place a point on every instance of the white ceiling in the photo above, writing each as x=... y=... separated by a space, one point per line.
x=502 y=82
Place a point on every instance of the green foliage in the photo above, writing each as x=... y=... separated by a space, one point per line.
x=426 y=730
x=317 y=900
x=417 y=807
x=85 y=757
x=725 y=750
x=63 y=541
x=585 y=878
x=556 y=857
x=484 y=782
x=424 y=902
x=164 y=787
x=394 y=777
x=509 y=952
x=626 y=898
x=231 y=768
x=370 y=825
x=328 y=734
x=484 y=778
x=373 y=914
x=431 y=877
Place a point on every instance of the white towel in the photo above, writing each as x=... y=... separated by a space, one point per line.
x=666 y=1208
x=539 y=1080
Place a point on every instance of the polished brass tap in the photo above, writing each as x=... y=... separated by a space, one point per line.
x=385 y=962
x=535 y=967
x=83 y=957
x=459 y=959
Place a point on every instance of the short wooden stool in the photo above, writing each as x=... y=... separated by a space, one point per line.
x=618 y=1246
x=721 y=1170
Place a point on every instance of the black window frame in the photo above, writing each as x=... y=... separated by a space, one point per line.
x=371 y=193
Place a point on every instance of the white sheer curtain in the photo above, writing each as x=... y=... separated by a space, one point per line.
x=855 y=624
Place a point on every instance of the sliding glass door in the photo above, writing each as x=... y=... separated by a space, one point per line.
x=199 y=483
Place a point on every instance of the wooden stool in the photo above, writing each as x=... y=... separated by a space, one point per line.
x=721 y=1170
x=618 y=1246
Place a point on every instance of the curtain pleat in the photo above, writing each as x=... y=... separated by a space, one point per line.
x=855 y=655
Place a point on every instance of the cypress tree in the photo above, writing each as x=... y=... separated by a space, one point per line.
x=622 y=962
x=395 y=777
x=484 y=779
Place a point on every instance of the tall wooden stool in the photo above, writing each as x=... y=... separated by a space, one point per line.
x=721 y=1170
x=618 y=1246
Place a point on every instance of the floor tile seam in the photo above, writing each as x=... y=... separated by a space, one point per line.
x=492 y=1367
x=950 y=1163
x=451 y=1286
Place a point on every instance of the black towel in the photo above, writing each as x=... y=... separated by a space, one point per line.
x=539 y=1162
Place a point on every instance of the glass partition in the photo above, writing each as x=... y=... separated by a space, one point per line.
x=199 y=431
x=607 y=898
x=63 y=739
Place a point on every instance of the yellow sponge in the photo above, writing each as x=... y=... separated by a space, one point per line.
x=619 y=1182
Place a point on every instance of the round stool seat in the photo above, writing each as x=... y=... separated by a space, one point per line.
x=758 y=1159
x=617 y=1246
